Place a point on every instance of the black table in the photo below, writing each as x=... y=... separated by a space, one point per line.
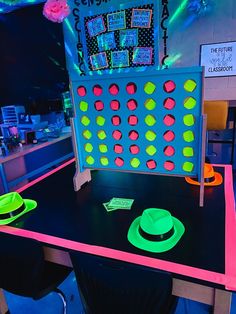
x=202 y=262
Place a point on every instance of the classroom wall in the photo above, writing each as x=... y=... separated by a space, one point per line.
x=188 y=31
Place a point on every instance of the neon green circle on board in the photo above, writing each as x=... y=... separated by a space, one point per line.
x=189 y=119
x=189 y=103
x=150 y=104
x=188 y=152
x=150 y=120
x=151 y=150
x=190 y=85
x=188 y=166
x=149 y=88
x=87 y=134
x=104 y=161
x=88 y=147
x=188 y=136
x=103 y=148
x=150 y=135
x=100 y=120
x=102 y=135
x=83 y=105
x=135 y=162
x=90 y=160
x=85 y=120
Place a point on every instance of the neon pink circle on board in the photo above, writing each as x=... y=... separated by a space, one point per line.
x=169 y=136
x=134 y=149
x=169 y=86
x=97 y=90
x=169 y=103
x=133 y=135
x=118 y=149
x=169 y=120
x=117 y=135
x=119 y=162
x=131 y=88
x=169 y=165
x=133 y=120
x=115 y=105
x=132 y=104
x=99 y=105
x=151 y=164
x=116 y=120
x=81 y=90
x=169 y=151
x=114 y=89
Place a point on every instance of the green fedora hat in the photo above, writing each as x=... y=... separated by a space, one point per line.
x=155 y=231
x=12 y=206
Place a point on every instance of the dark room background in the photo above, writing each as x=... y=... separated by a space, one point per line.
x=32 y=61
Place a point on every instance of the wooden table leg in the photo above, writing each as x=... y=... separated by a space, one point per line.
x=3 y=303
x=222 y=302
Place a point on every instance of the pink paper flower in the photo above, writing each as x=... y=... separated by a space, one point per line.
x=56 y=10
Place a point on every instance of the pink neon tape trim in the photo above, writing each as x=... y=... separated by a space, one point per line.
x=230 y=226
x=124 y=256
x=228 y=279
x=45 y=176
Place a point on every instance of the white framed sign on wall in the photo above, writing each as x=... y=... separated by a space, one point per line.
x=219 y=59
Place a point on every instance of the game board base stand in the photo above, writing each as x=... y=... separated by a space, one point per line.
x=80 y=177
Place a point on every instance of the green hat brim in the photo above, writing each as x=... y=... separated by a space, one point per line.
x=29 y=205
x=137 y=240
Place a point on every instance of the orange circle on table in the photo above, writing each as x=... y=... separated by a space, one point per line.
x=115 y=105
x=99 y=105
x=117 y=135
x=134 y=149
x=169 y=120
x=113 y=89
x=119 y=162
x=81 y=90
x=169 y=165
x=118 y=149
x=131 y=88
x=169 y=103
x=169 y=151
x=97 y=90
x=169 y=136
x=151 y=164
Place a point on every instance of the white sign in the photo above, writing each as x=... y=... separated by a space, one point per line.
x=219 y=59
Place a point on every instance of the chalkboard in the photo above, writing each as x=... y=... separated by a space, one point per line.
x=219 y=59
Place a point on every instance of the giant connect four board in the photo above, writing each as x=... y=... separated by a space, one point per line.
x=147 y=122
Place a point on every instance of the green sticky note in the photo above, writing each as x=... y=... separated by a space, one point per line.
x=190 y=102
x=87 y=134
x=150 y=135
x=121 y=202
x=150 y=104
x=100 y=120
x=101 y=135
x=190 y=85
x=188 y=151
x=135 y=162
x=188 y=136
x=83 y=106
x=189 y=119
x=149 y=88
x=151 y=150
x=88 y=147
x=103 y=148
x=90 y=160
x=188 y=166
x=104 y=161
x=85 y=120
x=150 y=120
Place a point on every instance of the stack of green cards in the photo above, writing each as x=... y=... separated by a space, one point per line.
x=118 y=203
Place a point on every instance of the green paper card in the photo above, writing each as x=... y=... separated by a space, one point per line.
x=123 y=203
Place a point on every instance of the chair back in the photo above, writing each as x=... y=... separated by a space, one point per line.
x=217 y=113
x=21 y=264
x=110 y=286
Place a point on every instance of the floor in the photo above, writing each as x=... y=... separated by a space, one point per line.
x=52 y=304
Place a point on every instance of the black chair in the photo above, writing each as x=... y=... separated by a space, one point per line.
x=109 y=286
x=24 y=272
